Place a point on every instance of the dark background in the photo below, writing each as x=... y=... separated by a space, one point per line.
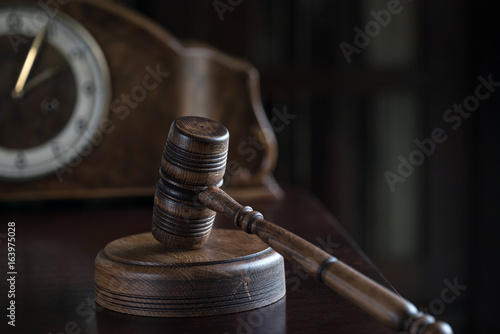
x=354 y=119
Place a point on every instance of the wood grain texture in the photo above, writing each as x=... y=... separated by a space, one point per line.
x=378 y=301
x=58 y=245
x=194 y=156
x=201 y=81
x=195 y=153
x=180 y=190
x=234 y=272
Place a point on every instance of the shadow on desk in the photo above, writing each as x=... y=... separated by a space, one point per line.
x=57 y=245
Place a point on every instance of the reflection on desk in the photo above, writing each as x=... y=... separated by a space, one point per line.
x=56 y=248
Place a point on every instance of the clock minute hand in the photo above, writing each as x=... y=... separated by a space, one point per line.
x=45 y=75
x=18 y=91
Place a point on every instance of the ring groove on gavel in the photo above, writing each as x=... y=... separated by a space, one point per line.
x=194 y=158
x=188 y=196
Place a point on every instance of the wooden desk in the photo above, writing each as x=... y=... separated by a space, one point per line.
x=56 y=245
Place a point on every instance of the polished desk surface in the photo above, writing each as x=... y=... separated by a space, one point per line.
x=57 y=244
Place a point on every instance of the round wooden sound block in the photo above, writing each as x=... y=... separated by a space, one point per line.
x=233 y=272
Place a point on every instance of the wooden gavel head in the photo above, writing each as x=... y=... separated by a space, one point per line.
x=187 y=198
x=194 y=158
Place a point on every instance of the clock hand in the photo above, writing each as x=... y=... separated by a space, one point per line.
x=18 y=91
x=47 y=74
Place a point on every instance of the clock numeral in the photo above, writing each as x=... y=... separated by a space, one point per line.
x=89 y=88
x=52 y=30
x=20 y=161
x=76 y=53
x=56 y=150
x=81 y=125
x=28 y=28
x=14 y=22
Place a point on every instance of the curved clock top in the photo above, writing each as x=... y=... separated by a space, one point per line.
x=55 y=92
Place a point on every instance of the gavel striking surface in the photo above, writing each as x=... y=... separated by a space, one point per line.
x=58 y=244
x=233 y=272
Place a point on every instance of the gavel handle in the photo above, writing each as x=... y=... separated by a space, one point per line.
x=378 y=301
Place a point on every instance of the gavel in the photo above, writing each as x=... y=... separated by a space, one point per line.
x=188 y=197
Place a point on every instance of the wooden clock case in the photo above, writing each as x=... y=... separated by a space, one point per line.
x=201 y=81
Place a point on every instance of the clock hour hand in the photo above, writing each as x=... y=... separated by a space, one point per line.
x=18 y=91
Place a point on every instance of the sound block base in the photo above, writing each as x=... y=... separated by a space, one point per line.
x=233 y=272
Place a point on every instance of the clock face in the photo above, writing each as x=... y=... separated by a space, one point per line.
x=54 y=92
